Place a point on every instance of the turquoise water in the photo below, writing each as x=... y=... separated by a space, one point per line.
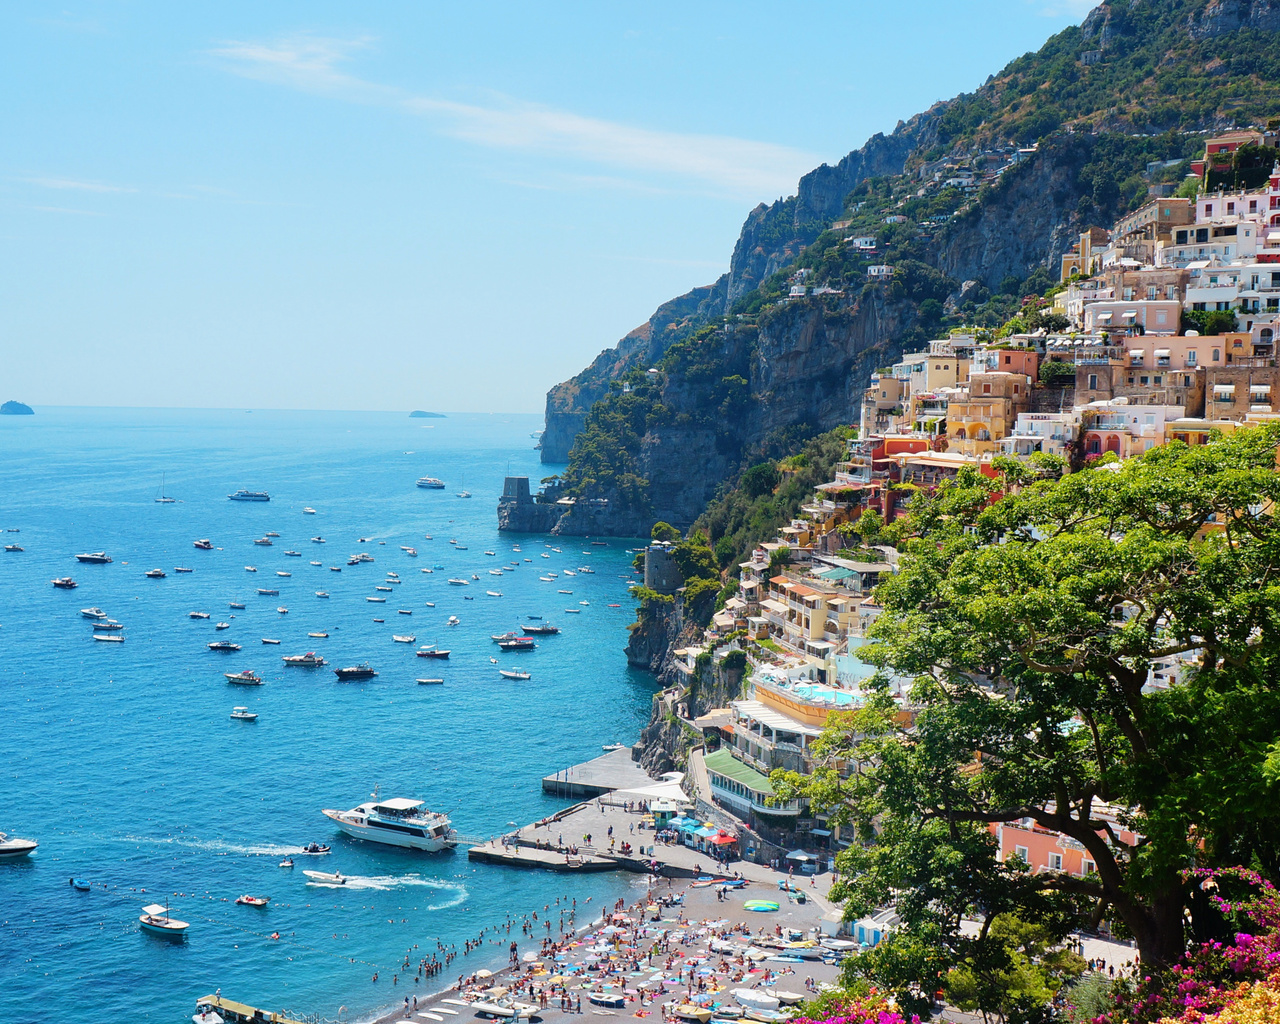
x=120 y=759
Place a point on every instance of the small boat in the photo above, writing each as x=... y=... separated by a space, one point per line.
x=335 y=568
x=507 y=673
x=520 y=643
x=464 y=493
x=547 y=579
x=94 y=558
x=323 y=878
x=459 y=582
x=308 y=660
x=616 y=1002
x=293 y=554
x=253 y=901
x=754 y=999
x=354 y=673
x=246 y=678
x=403 y=639
x=263 y=542
x=430 y=682
x=599 y=544
x=156 y=919
x=497 y=638
x=609 y=748
x=271 y=533
x=404 y=611
x=182 y=568
x=570 y=572
x=584 y=602
x=283 y=610
x=314 y=850
x=287 y=862
x=494 y=593
x=317 y=540
x=203 y=544
x=317 y=563
x=615 y=606
x=80 y=885
x=384 y=589
x=243 y=495
x=11 y=847
x=108 y=638
x=244 y=715
x=433 y=652
x=250 y=568
x=475 y=576
x=223 y=645
x=431 y=483
x=161 y=498
x=495 y=572
x=544 y=630
x=322 y=593
x=308 y=511
x=97 y=613
x=65 y=583
x=14 y=547
x=453 y=620
x=267 y=640
x=108 y=624
x=236 y=604
x=154 y=574
x=690 y=1012
x=564 y=591
x=376 y=600
x=573 y=611
x=430 y=604
x=585 y=569
x=318 y=635
x=411 y=552
x=268 y=592
x=281 y=572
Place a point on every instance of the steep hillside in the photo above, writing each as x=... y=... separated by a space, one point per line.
x=1097 y=111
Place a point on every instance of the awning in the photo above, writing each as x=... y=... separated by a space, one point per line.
x=1131 y=314
x=1136 y=353
x=800 y=855
x=839 y=573
x=1260 y=389
x=723 y=840
x=1224 y=389
x=774 y=606
x=1162 y=353
x=819 y=832
x=1103 y=316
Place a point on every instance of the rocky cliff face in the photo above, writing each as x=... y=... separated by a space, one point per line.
x=1223 y=16
x=567 y=403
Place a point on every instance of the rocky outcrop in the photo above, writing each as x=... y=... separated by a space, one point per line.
x=16 y=409
x=1222 y=16
x=567 y=403
x=653 y=636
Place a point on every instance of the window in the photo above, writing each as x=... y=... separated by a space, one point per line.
x=1253 y=206
x=1153 y=292
x=1202 y=235
x=1144 y=381
x=1217 y=355
x=986 y=389
x=1186 y=381
x=1191 y=357
x=1088 y=867
x=1022 y=854
x=1180 y=238
x=1275 y=279
x=1015 y=389
x=1055 y=862
x=1156 y=380
x=1093 y=382
x=1231 y=207
x=1208 y=210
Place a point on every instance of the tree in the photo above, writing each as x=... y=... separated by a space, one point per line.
x=1031 y=628
x=664 y=532
x=1208 y=322
x=760 y=480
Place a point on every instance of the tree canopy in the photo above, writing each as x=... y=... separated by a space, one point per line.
x=1032 y=629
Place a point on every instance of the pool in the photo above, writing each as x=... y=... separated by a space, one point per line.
x=815 y=691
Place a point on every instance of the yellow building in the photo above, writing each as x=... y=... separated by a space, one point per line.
x=979 y=418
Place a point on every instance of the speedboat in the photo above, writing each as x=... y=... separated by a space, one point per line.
x=268 y=592
x=403 y=639
x=431 y=483
x=11 y=847
x=246 y=678
x=494 y=593
x=253 y=901
x=108 y=638
x=453 y=620
x=460 y=583
x=520 y=643
x=396 y=822
x=308 y=511
x=156 y=919
x=203 y=544
x=154 y=574
x=317 y=563
x=243 y=715
x=283 y=610
x=293 y=554
x=263 y=542
x=354 y=672
x=95 y=613
x=281 y=572
x=13 y=547
x=250 y=568
x=268 y=640
x=271 y=533
x=220 y=626
x=223 y=645
x=108 y=624
x=322 y=593
x=65 y=583
x=319 y=634
x=317 y=540
x=324 y=878
x=507 y=673
x=94 y=558
x=308 y=660
x=243 y=495
x=430 y=682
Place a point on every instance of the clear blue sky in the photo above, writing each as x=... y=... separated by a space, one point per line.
x=402 y=205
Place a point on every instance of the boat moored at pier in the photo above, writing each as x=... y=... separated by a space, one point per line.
x=397 y=822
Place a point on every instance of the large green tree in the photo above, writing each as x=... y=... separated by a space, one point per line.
x=1030 y=628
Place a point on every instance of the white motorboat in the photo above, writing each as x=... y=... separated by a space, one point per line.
x=508 y=673
x=11 y=847
x=325 y=878
x=453 y=621
x=197 y=615
x=308 y=660
x=156 y=919
x=93 y=613
x=322 y=593
x=109 y=638
x=403 y=639
x=308 y=511
x=755 y=999
x=396 y=822
x=460 y=582
x=243 y=715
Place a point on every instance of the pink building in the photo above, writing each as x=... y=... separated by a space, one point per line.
x=1044 y=850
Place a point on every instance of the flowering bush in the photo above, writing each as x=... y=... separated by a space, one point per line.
x=1231 y=982
x=868 y=1009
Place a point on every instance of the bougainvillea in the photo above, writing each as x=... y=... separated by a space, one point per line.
x=869 y=1009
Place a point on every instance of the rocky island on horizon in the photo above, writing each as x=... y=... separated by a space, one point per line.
x=418 y=414
x=16 y=409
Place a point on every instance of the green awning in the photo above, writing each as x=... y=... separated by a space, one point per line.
x=839 y=573
x=724 y=763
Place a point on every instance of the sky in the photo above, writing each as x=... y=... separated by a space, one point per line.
x=416 y=205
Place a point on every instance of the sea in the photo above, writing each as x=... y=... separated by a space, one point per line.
x=121 y=759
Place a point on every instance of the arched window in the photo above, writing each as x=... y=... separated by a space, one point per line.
x=983 y=434
x=1265 y=336
x=1113 y=443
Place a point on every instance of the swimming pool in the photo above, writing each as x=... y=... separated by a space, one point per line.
x=815 y=691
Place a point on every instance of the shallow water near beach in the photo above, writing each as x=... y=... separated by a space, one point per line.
x=121 y=760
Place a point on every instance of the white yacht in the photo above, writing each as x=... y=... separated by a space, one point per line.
x=396 y=822
x=11 y=847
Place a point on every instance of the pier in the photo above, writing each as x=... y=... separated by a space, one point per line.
x=240 y=1013
x=605 y=774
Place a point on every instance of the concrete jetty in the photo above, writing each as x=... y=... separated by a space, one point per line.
x=605 y=774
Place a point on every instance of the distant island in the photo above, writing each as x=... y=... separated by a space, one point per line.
x=18 y=409
x=418 y=414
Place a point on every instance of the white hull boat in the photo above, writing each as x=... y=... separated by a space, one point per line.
x=396 y=822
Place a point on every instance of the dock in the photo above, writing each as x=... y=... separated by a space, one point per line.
x=605 y=774
x=240 y=1013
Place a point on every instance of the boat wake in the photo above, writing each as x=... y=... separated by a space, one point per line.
x=385 y=883
x=218 y=846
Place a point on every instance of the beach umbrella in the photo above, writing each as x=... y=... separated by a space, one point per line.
x=482 y=973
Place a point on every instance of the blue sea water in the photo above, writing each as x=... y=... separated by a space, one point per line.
x=121 y=760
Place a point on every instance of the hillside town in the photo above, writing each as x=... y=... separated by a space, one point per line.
x=1127 y=373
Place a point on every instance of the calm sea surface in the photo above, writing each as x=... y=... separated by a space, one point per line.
x=121 y=760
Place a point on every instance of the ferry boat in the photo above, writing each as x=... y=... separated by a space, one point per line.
x=431 y=483
x=397 y=822
x=65 y=583
x=156 y=919
x=308 y=660
x=354 y=672
x=11 y=847
x=94 y=558
x=203 y=544
x=243 y=495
